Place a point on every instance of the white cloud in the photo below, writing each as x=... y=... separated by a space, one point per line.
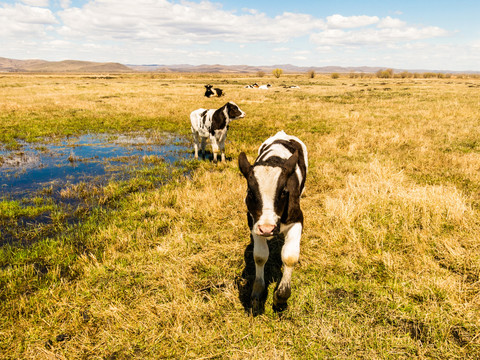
x=324 y=48
x=389 y=22
x=375 y=36
x=251 y=11
x=65 y=4
x=189 y=21
x=57 y=43
x=302 y=52
x=371 y=30
x=26 y=14
x=20 y=20
x=39 y=3
x=343 y=22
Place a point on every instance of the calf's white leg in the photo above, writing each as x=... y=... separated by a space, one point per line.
x=260 y=255
x=195 y=143
x=214 y=148
x=290 y=256
x=222 y=149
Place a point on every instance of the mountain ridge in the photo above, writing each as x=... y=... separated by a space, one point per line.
x=37 y=65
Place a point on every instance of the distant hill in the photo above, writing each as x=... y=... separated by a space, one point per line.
x=12 y=65
x=185 y=68
x=287 y=68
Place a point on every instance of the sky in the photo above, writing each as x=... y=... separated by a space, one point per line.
x=402 y=34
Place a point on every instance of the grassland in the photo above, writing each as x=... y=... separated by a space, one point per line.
x=390 y=258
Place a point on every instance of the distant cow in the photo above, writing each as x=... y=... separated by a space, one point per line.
x=253 y=86
x=275 y=182
x=215 y=92
x=265 y=87
x=213 y=124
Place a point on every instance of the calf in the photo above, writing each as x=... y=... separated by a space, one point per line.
x=213 y=124
x=215 y=92
x=265 y=87
x=275 y=182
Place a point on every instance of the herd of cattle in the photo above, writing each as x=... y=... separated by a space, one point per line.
x=210 y=91
x=275 y=182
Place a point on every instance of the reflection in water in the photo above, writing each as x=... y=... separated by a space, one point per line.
x=45 y=188
x=82 y=158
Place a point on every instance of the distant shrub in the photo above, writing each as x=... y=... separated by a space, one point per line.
x=260 y=73
x=277 y=72
x=429 y=75
x=405 y=74
x=335 y=75
x=311 y=74
x=366 y=75
x=385 y=74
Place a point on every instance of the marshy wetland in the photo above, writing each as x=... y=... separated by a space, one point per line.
x=68 y=174
x=137 y=251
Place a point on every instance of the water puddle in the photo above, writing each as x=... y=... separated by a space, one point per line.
x=45 y=187
x=82 y=158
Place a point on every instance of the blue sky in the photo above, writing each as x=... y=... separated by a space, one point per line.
x=431 y=35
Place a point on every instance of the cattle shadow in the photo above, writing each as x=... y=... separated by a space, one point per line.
x=273 y=273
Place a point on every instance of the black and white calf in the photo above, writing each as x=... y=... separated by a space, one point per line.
x=215 y=92
x=275 y=182
x=213 y=124
x=265 y=87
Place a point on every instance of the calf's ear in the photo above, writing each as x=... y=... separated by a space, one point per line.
x=244 y=165
x=290 y=165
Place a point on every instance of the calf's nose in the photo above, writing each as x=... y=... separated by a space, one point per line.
x=266 y=229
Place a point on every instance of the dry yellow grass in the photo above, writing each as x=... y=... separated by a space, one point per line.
x=390 y=255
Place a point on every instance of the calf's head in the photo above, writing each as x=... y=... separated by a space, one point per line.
x=234 y=111
x=267 y=193
x=208 y=90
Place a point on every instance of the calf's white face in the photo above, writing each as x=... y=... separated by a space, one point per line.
x=267 y=179
x=267 y=194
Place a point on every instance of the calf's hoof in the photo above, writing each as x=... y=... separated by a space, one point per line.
x=279 y=308
x=257 y=306
x=280 y=298
x=258 y=297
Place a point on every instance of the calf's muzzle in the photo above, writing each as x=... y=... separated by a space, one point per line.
x=266 y=230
